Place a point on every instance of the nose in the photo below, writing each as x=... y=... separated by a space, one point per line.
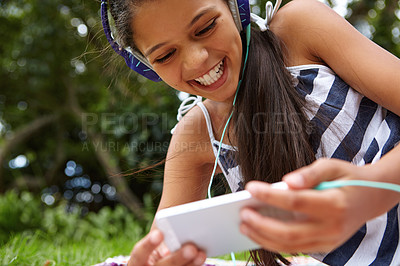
x=194 y=56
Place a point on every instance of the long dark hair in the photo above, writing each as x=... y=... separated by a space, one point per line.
x=269 y=123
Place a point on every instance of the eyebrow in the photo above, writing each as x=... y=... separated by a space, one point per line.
x=155 y=47
x=194 y=20
x=202 y=13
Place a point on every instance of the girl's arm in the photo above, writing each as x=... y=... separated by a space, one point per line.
x=326 y=37
x=318 y=35
x=187 y=172
x=333 y=215
x=189 y=162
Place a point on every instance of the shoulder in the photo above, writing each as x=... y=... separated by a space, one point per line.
x=191 y=138
x=303 y=13
x=189 y=161
x=303 y=25
x=312 y=31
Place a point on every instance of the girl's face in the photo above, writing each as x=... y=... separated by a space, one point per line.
x=193 y=45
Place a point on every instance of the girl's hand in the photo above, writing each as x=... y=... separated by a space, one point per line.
x=332 y=216
x=151 y=251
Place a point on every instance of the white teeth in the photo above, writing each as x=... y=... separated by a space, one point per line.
x=208 y=79
x=212 y=76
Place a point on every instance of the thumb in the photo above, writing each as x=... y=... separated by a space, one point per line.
x=310 y=176
x=143 y=250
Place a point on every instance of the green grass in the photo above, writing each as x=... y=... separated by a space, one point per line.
x=37 y=248
x=32 y=234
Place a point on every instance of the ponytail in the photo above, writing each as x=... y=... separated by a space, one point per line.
x=269 y=121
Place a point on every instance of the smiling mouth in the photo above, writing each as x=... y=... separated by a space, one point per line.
x=212 y=76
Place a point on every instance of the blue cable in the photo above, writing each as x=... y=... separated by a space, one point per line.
x=248 y=31
x=233 y=258
x=359 y=183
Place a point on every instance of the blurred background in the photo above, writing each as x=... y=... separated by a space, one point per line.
x=78 y=130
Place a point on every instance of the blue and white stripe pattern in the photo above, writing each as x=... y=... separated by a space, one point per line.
x=351 y=127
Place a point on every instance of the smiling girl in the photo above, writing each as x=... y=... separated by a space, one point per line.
x=307 y=86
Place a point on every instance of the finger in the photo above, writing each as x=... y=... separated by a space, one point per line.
x=289 y=237
x=313 y=174
x=296 y=232
x=286 y=247
x=187 y=255
x=200 y=259
x=287 y=232
x=143 y=250
x=163 y=250
x=315 y=204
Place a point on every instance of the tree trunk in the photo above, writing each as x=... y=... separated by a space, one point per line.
x=20 y=136
x=59 y=159
x=110 y=166
x=114 y=175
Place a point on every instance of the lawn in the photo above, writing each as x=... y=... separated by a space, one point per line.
x=37 y=248
x=31 y=234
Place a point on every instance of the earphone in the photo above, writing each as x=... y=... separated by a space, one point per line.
x=134 y=60
x=240 y=10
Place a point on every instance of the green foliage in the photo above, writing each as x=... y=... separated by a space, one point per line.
x=378 y=20
x=103 y=225
x=25 y=224
x=55 y=60
x=18 y=214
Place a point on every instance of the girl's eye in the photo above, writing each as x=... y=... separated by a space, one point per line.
x=207 y=29
x=165 y=58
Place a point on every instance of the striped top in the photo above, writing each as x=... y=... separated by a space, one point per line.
x=354 y=129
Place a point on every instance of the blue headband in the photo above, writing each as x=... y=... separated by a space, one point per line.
x=135 y=61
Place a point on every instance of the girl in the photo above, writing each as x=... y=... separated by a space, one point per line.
x=310 y=87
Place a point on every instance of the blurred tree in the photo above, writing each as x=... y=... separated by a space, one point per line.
x=71 y=112
x=59 y=104
x=379 y=21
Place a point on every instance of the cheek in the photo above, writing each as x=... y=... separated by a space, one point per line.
x=169 y=74
x=237 y=46
x=237 y=43
x=231 y=41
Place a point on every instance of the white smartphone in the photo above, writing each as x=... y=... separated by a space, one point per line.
x=213 y=224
